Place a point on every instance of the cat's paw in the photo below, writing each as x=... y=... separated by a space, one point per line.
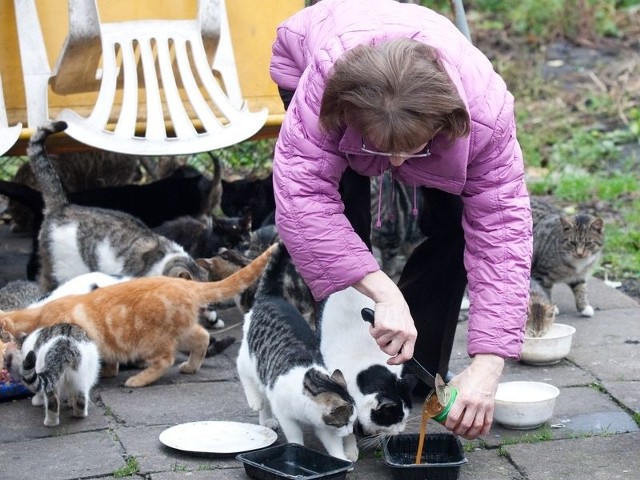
x=351 y=450
x=51 y=421
x=186 y=367
x=37 y=400
x=218 y=324
x=271 y=423
x=587 y=311
x=556 y=310
x=109 y=370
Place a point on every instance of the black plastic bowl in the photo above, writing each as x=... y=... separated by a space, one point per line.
x=293 y=461
x=442 y=456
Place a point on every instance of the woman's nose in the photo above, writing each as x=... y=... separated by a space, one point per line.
x=396 y=161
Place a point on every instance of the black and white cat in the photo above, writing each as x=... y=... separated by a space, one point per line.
x=283 y=374
x=77 y=239
x=57 y=363
x=382 y=394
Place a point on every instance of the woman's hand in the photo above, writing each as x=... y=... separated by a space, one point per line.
x=393 y=329
x=472 y=413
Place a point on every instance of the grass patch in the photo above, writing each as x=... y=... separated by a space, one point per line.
x=131 y=468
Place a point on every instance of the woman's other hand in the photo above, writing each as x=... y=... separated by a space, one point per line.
x=472 y=413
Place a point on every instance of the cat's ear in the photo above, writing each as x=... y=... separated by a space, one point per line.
x=566 y=223
x=338 y=377
x=597 y=225
x=205 y=263
x=29 y=361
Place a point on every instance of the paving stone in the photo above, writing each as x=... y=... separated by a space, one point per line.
x=594 y=458
x=62 y=457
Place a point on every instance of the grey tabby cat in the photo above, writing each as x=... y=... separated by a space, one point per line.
x=19 y=294
x=566 y=249
x=76 y=239
x=56 y=363
x=397 y=232
x=541 y=314
x=282 y=371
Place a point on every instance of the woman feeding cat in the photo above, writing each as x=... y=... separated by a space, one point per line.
x=377 y=87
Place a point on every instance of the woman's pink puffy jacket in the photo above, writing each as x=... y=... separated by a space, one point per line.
x=486 y=168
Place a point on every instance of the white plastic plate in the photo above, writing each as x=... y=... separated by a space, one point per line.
x=222 y=438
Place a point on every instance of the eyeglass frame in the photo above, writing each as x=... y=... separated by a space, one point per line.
x=422 y=154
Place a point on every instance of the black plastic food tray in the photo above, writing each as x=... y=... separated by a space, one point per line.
x=442 y=457
x=293 y=461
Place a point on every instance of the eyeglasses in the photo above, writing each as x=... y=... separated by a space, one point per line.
x=426 y=152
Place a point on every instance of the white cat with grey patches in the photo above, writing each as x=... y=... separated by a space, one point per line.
x=283 y=374
x=57 y=363
x=381 y=393
x=76 y=239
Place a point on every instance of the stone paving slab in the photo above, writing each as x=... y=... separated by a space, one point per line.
x=173 y=404
x=19 y=420
x=594 y=458
x=61 y=457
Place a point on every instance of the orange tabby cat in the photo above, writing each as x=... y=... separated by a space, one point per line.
x=146 y=318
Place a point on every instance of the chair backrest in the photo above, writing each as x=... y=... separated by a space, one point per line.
x=186 y=107
x=8 y=135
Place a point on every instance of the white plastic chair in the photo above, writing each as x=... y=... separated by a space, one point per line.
x=8 y=135
x=183 y=108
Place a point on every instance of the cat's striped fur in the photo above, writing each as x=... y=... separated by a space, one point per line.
x=282 y=371
x=60 y=361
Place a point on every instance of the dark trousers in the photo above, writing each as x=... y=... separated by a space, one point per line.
x=434 y=278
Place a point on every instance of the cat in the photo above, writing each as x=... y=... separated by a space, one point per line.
x=76 y=239
x=58 y=362
x=78 y=171
x=144 y=318
x=541 y=314
x=205 y=236
x=566 y=249
x=382 y=394
x=282 y=371
x=19 y=294
x=398 y=232
x=184 y=192
x=255 y=195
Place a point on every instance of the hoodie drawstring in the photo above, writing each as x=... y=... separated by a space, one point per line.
x=380 y=182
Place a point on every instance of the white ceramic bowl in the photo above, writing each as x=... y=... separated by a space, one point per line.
x=524 y=405
x=550 y=348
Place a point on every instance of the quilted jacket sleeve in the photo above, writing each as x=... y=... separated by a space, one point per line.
x=309 y=211
x=498 y=234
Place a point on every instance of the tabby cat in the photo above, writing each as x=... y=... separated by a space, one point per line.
x=541 y=314
x=283 y=374
x=145 y=318
x=397 y=233
x=565 y=250
x=19 y=294
x=77 y=239
x=382 y=395
x=56 y=363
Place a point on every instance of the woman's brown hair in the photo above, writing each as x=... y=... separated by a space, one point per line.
x=396 y=94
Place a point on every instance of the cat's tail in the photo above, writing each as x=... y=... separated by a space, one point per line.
x=52 y=191
x=236 y=283
x=66 y=354
x=272 y=281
